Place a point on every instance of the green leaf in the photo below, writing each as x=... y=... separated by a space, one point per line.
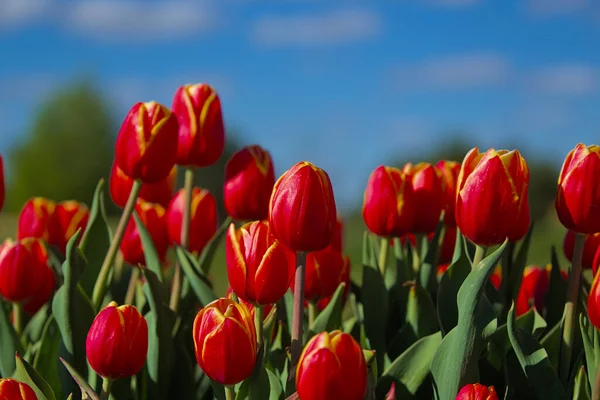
x=420 y=312
x=10 y=343
x=557 y=293
x=404 y=269
x=34 y=328
x=518 y=266
x=530 y=322
x=534 y=362
x=151 y=256
x=581 y=391
x=207 y=255
x=428 y=270
x=25 y=373
x=455 y=362
x=198 y=283
x=331 y=317
x=95 y=240
x=86 y=390
x=410 y=369
x=46 y=359
x=552 y=342
x=591 y=345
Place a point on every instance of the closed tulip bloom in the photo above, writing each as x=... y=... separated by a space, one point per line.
x=332 y=366
x=153 y=216
x=492 y=200
x=337 y=240
x=388 y=203
x=266 y=310
x=592 y=243
x=120 y=186
x=67 y=218
x=578 y=201
x=450 y=171
x=11 y=389
x=147 y=143
x=203 y=219
x=596 y=262
x=343 y=277
x=249 y=180
x=325 y=270
x=34 y=219
x=44 y=294
x=2 y=186
x=534 y=288
x=593 y=303
x=302 y=211
x=201 y=128
x=225 y=341
x=117 y=342
x=428 y=193
x=477 y=391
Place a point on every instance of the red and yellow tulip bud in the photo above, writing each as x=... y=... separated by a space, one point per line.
x=11 y=389
x=201 y=128
x=388 y=204
x=120 y=186
x=203 y=219
x=153 y=216
x=344 y=277
x=67 y=218
x=428 y=193
x=448 y=244
x=24 y=269
x=2 y=185
x=332 y=366
x=492 y=200
x=450 y=171
x=225 y=341
x=593 y=303
x=147 y=143
x=592 y=243
x=258 y=266
x=477 y=391
x=34 y=219
x=534 y=288
x=302 y=211
x=576 y=199
x=325 y=270
x=117 y=342
x=249 y=180
x=266 y=308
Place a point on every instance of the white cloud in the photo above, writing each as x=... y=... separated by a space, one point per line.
x=566 y=79
x=16 y=12
x=337 y=27
x=544 y=8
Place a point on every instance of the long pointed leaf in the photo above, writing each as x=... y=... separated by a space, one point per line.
x=86 y=390
x=27 y=374
x=9 y=343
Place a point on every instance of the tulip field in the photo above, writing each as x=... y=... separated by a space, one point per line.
x=444 y=304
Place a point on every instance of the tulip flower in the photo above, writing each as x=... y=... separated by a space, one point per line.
x=576 y=199
x=325 y=270
x=429 y=195
x=450 y=171
x=337 y=240
x=592 y=243
x=267 y=307
x=43 y=295
x=34 y=219
x=388 y=204
x=120 y=187
x=492 y=200
x=534 y=288
x=153 y=217
x=201 y=128
x=117 y=342
x=343 y=277
x=332 y=366
x=203 y=219
x=477 y=391
x=593 y=303
x=302 y=210
x=225 y=341
x=11 y=389
x=147 y=143
x=258 y=266
x=2 y=188
x=67 y=218
x=249 y=180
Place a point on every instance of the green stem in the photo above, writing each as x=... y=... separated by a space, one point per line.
x=18 y=318
x=572 y=293
x=479 y=254
x=109 y=259
x=417 y=253
x=313 y=312
x=259 y=312
x=298 y=312
x=106 y=385
x=383 y=251
x=133 y=280
x=229 y=393
x=188 y=188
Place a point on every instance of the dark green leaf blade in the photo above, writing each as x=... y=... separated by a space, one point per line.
x=331 y=317
x=10 y=343
x=25 y=373
x=86 y=390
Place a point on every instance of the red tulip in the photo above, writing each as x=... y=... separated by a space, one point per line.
x=160 y=192
x=592 y=243
x=11 y=389
x=34 y=219
x=2 y=188
x=67 y=218
x=477 y=391
x=266 y=308
x=258 y=266
x=577 y=200
x=344 y=277
x=596 y=261
x=534 y=287
x=388 y=204
x=428 y=192
x=147 y=143
x=325 y=270
x=201 y=128
x=450 y=171
x=337 y=240
x=496 y=277
x=332 y=366
x=117 y=342
x=154 y=219
x=593 y=304
x=492 y=202
x=302 y=210
x=203 y=219
x=225 y=341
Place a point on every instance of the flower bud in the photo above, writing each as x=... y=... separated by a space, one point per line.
x=2 y=186
x=325 y=270
x=147 y=143
x=337 y=240
x=428 y=192
x=492 y=201
x=11 y=389
x=388 y=204
x=67 y=218
x=593 y=303
x=43 y=295
x=225 y=341
x=117 y=342
x=450 y=171
x=477 y=391
x=332 y=366
x=302 y=211
x=153 y=217
x=534 y=288
x=592 y=243
x=34 y=219
x=201 y=128
x=160 y=192
x=576 y=199
x=249 y=180
x=203 y=219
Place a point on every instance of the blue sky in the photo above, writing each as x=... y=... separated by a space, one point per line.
x=346 y=84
